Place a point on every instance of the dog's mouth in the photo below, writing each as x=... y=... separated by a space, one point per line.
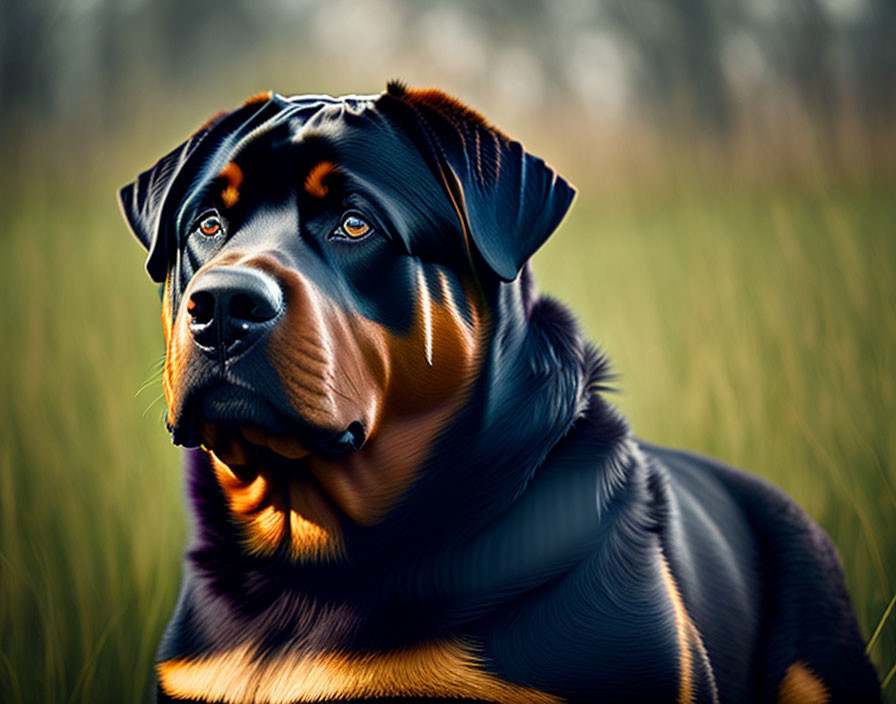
x=246 y=446
x=239 y=424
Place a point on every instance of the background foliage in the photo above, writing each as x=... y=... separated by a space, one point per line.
x=732 y=248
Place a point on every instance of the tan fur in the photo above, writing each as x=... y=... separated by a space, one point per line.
x=233 y=177
x=801 y=686
x=273 y=509
x=314 y=181
x=262 y=97
x=685 y=630
x=435 y=99
x=437 y=669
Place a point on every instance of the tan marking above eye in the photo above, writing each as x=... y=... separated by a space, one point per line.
x=354 y=226
x=314 y=181
x=232 y=176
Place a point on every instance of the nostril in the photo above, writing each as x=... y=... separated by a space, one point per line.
x=242 y=307
x=252 y=308
x=201 y=307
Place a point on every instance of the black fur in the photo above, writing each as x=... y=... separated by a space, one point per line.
x=538 y=528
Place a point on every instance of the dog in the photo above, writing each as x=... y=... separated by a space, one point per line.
x=406 y=483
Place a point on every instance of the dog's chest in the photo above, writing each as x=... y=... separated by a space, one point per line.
x=437 y=669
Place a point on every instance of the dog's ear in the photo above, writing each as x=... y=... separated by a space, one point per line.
x=509 y=200
x=142 y=203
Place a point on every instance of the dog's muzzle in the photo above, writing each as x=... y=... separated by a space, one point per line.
x=230 y=309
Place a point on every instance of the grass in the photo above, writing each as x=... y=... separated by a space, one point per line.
x=753 y=323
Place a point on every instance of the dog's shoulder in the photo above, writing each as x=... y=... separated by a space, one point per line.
x=776 y=580
x=614 y=612
x=749 y=507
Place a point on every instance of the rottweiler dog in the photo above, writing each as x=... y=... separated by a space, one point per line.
x=405 y=481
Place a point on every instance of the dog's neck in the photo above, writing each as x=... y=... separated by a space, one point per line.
x=539 y=507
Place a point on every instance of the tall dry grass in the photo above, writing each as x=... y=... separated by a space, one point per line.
x=750 y=318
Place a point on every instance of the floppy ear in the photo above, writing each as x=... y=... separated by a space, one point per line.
x=509 y=200
x=142 y=203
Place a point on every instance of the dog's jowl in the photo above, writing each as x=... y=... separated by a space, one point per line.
x=404 y=480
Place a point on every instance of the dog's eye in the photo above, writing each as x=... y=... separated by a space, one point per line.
x=210 y=224
x=353 y=227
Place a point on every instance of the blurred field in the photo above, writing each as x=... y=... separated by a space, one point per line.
x=751 y=321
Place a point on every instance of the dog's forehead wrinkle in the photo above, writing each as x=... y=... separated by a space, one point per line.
x=327 y=121
x=355 y=100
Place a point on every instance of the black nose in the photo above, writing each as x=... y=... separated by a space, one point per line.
x=231 y=307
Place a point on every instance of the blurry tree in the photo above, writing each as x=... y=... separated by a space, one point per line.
x=27 y=55
x=873 y=51
x=95 y=59
x=680 y=75
x=810 y=60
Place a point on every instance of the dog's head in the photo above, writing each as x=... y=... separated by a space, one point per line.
x=329 y=269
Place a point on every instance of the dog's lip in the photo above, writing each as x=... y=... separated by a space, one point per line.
x=224 y=405
x=245 y=414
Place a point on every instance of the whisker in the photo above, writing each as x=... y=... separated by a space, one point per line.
x=155 y=374
x=152 y=403
x=155 y=379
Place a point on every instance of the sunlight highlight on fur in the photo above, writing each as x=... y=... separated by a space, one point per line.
x=440 y=669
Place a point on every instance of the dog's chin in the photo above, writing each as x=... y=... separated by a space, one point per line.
x=260 y=459
x=274 y=497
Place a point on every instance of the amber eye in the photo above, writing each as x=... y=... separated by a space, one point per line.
x=210 y=224
x=354 y=227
